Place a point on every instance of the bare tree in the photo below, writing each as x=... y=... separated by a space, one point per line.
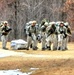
x=19 y=12
x=69 y=10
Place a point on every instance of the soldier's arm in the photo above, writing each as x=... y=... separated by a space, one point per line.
x=27 y=31
x=69 y=30
x=3 y=32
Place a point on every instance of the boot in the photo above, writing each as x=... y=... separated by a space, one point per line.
x=34 y=48
x=5 y=48
x=43 y=48
x=59 y=48
x=27 y=48
x=31 y=46
x=48 y=47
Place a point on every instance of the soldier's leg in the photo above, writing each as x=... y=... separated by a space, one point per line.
x=34 y=43
x=29 y=42
x=62 y=43
x=38 y=40
x=4 y=41
x=31 y=45
x=43 y=42
x=65 y=44
x=48 y=42
x=59 y=47
x=49 y=46
x=55 y=42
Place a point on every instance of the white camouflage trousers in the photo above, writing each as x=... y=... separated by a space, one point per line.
x=31 y=40
x=43 y=40
x=60 y=42
x=52 y=41
x=65 y=41
x=4 y=40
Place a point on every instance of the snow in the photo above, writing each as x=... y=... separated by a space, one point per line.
x=13 y=72
x=34 y=69
x=16 y=72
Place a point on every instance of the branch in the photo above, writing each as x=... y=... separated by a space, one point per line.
x=38 y=5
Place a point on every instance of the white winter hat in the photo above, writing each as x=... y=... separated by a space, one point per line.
x=51 y=23
x=5 y=22
x=66 y=23
x=46 y=24
x=34 y=22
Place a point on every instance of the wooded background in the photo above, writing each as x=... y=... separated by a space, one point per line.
x=19 y=12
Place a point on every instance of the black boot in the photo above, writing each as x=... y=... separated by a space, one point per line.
x=27 y=48
x=66 y=48
x=59 y=48
x=5 y=48
x=48 y=47
x=43 y=48
x=31 y=46
x=54 y=49
x=35 y=48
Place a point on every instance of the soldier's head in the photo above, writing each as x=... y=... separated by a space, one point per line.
x=30 y=22
x=43 y=22
x=66 y=24
x=52 y=24
x=46 y=24
x=5 y=23
x=61 y=24
x=33 y=23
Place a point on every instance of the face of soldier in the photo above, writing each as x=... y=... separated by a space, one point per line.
x=61 y=24
x=33 y=24
x=5 y=24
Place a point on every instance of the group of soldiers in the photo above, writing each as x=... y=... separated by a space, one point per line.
x=52 y=35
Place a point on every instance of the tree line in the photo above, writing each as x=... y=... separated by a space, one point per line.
x=19 y=12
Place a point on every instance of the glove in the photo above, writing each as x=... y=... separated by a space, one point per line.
x=5 y=33
x=65 y=36
x=8 y=30
x=30 y=34
x=61 y=32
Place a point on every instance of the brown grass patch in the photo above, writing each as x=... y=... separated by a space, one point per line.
x=46 y=66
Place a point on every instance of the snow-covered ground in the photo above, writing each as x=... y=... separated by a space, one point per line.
x=17 y=72
x=13 y=72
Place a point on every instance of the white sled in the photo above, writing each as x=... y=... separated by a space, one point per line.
x=18 y=44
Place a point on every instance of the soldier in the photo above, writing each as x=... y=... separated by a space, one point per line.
x=44 y=34
x=27 y=27
x=31 y=36
x=61 y=35
x=5 y=29
x=51 y=36
x=38 y=34
x=66 y=24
